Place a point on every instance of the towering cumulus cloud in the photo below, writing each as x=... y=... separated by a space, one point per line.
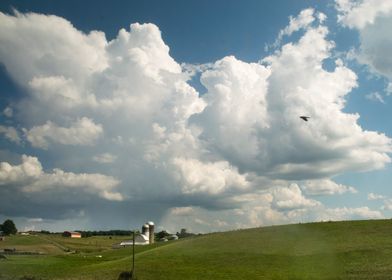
x=373 y=20
x=116 y=123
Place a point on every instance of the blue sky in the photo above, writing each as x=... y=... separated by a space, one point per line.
x=193 y=119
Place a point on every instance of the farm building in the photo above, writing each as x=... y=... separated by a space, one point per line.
x=144 y=238
x=172 y=237
x=140 y=239
x=72 y=234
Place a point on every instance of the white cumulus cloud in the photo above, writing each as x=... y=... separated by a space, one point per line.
x=373 y=20
x=82 y=132
x=325 y=187
x=10 y=133
x=289 y=198
x=234 y=150
x=374 y=196
x=303 y=20
x=387 y=205
x=30 y=176
x=214 y=178
x=358 y=14
x=345 y=213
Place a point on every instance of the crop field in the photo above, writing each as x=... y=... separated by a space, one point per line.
x=329 y=250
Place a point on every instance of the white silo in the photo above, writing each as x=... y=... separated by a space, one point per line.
x=152 y=232
x=146 y=231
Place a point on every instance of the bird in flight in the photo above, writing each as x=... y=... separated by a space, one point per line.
x=305 y=118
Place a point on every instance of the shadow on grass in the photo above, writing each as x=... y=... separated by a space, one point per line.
x=126 y=275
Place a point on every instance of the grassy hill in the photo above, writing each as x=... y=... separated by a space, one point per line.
x=331 y=250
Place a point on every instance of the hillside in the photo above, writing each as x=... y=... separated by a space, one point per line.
x=331 y=250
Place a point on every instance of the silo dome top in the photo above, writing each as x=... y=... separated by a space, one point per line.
x=150 y=223
x=146 y=226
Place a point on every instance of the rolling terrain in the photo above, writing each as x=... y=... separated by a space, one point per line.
x=329 y=250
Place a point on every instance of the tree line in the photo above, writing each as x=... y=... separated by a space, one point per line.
x=116 y=232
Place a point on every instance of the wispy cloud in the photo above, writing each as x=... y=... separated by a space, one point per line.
x=373 y=196
x=375 y=96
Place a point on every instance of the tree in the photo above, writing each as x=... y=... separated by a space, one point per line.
x=162 y=234
x=184 y=233
x=9 y=227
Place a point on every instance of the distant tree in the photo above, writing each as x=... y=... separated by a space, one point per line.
x=162 y=234
x=9 y=227
x=87 y=234
x=184 y=233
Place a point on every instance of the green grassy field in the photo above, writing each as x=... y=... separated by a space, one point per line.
x=331 y=250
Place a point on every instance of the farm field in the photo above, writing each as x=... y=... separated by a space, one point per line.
x=329 y=250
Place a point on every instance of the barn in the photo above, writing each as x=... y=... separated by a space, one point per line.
x=144 y=238
x=140 y=239
x=72 y=234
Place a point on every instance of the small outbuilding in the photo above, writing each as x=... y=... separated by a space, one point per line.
x=172 y=237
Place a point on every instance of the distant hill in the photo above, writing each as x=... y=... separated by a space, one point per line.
x=329 y=250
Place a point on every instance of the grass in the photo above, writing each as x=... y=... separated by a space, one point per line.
x=31 y=244
x=332 y=250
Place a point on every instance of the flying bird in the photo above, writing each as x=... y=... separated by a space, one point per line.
x=305 y=118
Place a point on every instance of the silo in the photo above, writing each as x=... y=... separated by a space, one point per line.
x=152 y=232
x=145 y=230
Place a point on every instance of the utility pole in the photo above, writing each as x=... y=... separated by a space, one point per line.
x=126 y=275
x=133 y=256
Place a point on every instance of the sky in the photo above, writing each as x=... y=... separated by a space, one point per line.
x=187 y=113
